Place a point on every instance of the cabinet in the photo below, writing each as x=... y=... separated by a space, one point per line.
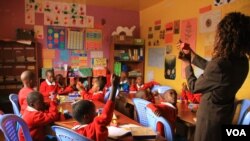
x=14 y=59
x=129 y=53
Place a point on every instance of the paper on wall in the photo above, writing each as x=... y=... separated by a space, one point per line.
x=96 y=54
x=209 y=21
x=29 y=12
x=39 y=34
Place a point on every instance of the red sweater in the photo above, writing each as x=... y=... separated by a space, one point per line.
x=135 y=87
x=65 y=91
x=194 y=98
x=168 y=112
x=46 y=89
x=37 y=121
x=22 y=98
x=97 y=130
x=99 y=96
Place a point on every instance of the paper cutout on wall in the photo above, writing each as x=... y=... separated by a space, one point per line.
x=176 y=26
x=64 y=55
x=93 y=39
x=47 y=63
x=156 y=57
x=39 y=6
x=157 y=25
x=124 y=30
x=83 y=61
x=89 y=20
x=205 y=9
x=96 y=54
x=38 y=31
x=75 y=39
x=99 y=71
x=222 y=2
x=29 y=12
x=209 y=21
x=56 y=38
x=78 y=53
x=85 y=72
x=48 y=53
x=170 y=69
x=99 y=62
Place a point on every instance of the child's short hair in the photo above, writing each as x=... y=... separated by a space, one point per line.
x=27 y=75
x=101 y=82
x=141 y=94
x=172 y=94
x=82 y=108
x=33 y=97
x=49 y=71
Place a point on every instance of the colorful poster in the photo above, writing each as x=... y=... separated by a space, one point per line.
x=209 y=21
x=169 y=38
x=47 y=63
x=83 y=61
x=38 y=31
x=99 y=62
x=89 y=20
x=29 y=12
x=176 y=26
x=64 y=55
x=205 y=9
x=170 y=67
x=78 y=53
x=48 y=53
x=56 y=38
x=39 y=6
x=75 y=39
x=93 y=39
x=157 y=25
x=188 y=35
x=96 y=54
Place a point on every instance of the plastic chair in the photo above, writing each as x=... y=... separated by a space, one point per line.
x=245 y=104
x=8 y=125
x=246 y=120
x=106 y=96
x=64 y=134
x=160 y=89
x=153 y=120
x=140 y=106
x=15 y=105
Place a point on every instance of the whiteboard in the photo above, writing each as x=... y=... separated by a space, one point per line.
x=156 y=57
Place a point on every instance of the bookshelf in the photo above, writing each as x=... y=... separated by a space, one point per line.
x=14 y=59
x=129 y=52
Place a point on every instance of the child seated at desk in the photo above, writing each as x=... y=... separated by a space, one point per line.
x=49 y=86
x=138 y=85
x=28 y=79
x=90 y=125
x=62 y=88
x=166 y=109
x=96 y=92
x=145 y=94
x=124 y=83
x=187 y=95
x=36 y=118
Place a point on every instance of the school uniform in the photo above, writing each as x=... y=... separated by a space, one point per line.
x=46 y=88
x=37 y=120
x=194 y=98
x=168 y=111
x=22 y=98
x=65 y=91
x=99 y=96
x=219 y=83
x=145 y=86
x=97 y=129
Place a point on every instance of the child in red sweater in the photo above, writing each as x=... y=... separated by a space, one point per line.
x=49 y=86
x=28 y=79
x=187 y=95
x=36 y=118
x=166 y=109
x=138 y=85
x=90 y=125
x=62 y=88
x=96 y=92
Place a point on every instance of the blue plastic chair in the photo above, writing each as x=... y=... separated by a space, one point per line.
x=140 y=106
x=106 y=96
x=245 y=104
x=160 y=89
x=15 y=105
x=246 y=120
x=64 y=134
x=153 y=120
x=8 y=125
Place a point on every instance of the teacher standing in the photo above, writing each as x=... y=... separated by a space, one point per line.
x=223 y=75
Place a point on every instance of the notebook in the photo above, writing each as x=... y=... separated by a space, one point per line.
x=117 y=132
x=142 y=133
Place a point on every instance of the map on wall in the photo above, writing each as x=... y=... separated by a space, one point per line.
x=55 y=38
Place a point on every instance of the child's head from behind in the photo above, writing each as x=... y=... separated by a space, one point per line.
x=143 y=94
x=28 y=78
x=139 y=80
x=50 y=75
x=59 y=79
x=84 y=111
x=35 y=100
x=170 y=96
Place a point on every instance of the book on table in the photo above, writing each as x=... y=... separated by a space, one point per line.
x=143 y=133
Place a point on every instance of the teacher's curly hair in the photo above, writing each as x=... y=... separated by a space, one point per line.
x=232 y=36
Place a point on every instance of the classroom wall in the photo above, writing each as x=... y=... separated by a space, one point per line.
x=170 y=10
x=12 y=17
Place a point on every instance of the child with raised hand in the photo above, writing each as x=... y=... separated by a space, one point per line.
x=167 y=109
x=90 y=125
x=28 y=79
x=62 y=88
x=187 y=95
x=138 y=85
x=36 y=118
x=49 y=86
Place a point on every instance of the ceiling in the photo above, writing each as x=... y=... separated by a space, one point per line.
x=135 y=5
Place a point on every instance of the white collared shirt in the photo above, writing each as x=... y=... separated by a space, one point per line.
x=79 y=127
x=168 y=104
x=31 y=109
x=49 y=83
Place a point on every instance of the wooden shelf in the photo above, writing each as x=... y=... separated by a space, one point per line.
x=10 y=83
x=18 y=63
x=129 y=61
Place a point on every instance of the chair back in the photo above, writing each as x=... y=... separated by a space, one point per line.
x=245 y=104
x=140 y=106
x=160 y=89
x=246 y=120
x=107 y=94
x=64 y=134
x=153 y=120
x=8 y=125
x=14 y=102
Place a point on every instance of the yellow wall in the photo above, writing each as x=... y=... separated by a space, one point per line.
x=170 y=10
